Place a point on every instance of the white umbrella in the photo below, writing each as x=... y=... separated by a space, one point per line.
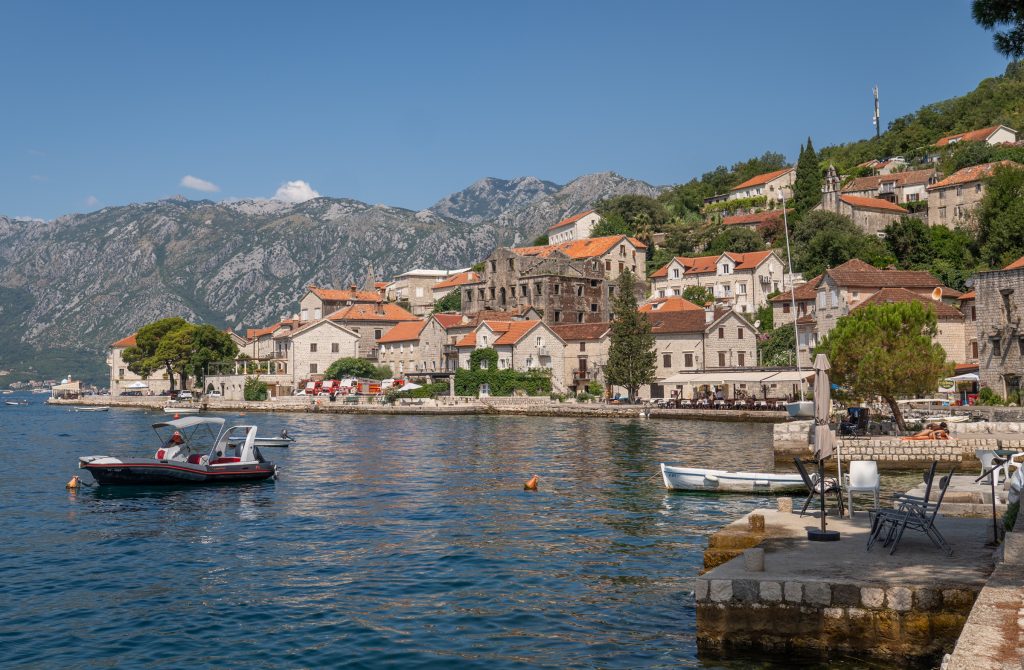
x=824 y=438
x=410 y=386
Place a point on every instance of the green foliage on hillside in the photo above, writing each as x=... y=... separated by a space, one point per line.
x=1001 y=218
x=825 y=239
x=996 y=100
x=689 y=198
x=947 y=254
x=807 y=187
x=739 y=239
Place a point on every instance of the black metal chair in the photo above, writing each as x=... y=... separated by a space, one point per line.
x=814 y=486
x=878 y=516
x=917 y=516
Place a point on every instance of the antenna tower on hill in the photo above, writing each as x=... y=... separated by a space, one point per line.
x=876 y=119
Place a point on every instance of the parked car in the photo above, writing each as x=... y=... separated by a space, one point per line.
x=185 y=395
x=131 y=393
x=214 y=394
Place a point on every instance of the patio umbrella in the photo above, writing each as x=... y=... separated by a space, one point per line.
x=824 y=438
x=410 y=386
x=137 y=385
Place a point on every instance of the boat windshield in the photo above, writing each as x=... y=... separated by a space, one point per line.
x=198 y=434
x=237 y=442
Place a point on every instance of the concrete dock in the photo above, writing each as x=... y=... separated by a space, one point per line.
x=836 y=597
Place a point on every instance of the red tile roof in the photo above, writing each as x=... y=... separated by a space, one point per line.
x=671 y=303
x=381 y=285
x=571 y=219
x=459 y=279
x=682 y=322
x=761 y=179
x=343 y=295
x=803 y=292
x=907 y=178
x=1019 y=263
x=449 y=320
x=970 y=295
x=962 y=368
x=971 y=174
x=871 y=203
x=889 y=295
x=708 y=264
x=362 y=311
x=469 y=340
x=755 y=219
x=979 y=135
x=125 y=342
x=253 y=333
x=516 y=331
x=857 y=273
x=589 y=247
x=404 y=331
x=575 y=332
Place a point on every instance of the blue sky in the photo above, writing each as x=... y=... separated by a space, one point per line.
x=401 y=103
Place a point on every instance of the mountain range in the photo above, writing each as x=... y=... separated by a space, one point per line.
x=70 y=286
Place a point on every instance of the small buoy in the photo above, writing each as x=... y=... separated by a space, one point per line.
x=73 y=483
x=241 y=414
x=177 y=416
x=532 y=484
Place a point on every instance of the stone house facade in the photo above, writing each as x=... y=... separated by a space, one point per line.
x=742 y=281
x=969 y=309
x=453 y=283
x=999 y=328
x=869 y=214
x=772 y=185
x=586 y=353
x=315 y=346
x=521 y=346
x=370 y=322
x=902 y=188
x=400 y=349
x=319 y=302
x=952 y=200
x=121 y=377
x=576 y=227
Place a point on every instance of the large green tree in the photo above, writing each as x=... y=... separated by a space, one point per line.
x=909 y=241
x=144 y=358
x=825 y=239
x=1001 y=217
x=209 y=345
x=636 y=215
x=698 y=295
x=1007 y=15
x=807 y=186
x=356 y=367
x=179 y=348
x=738 y=239
x=631 y=356
x=887 y=351
x=451 y=302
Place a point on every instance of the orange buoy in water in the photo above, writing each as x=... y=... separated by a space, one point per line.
x=532 y=484
x=177 y=416
x=73 y=483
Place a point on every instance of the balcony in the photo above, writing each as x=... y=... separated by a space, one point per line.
x=450 y=350
x=373 y=354
x=582 y=375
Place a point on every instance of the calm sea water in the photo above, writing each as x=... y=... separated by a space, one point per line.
x=386 y=541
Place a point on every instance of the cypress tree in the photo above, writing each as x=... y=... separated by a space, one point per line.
x=807 y=187
x=631 y=357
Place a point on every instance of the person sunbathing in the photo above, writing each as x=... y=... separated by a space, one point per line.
x=933 y=431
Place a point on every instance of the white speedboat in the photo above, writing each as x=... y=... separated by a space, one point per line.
x=181 y=411
x=703 y=479
x=282 y=440
x=184 y=458
x=92 y=409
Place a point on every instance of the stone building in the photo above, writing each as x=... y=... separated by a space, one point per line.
x=576 y=227
x=315 y=346
x=400 y=349
x=804 y=295
x=586 y=353
x=969 y=309
x=951 y=200
x=999 y=329
x=990 y=135
x=571 y=282
x=319 y=302
x=521 y=346
x=869 y=214
x=758 y=221
x=415 y=288
x=771 y=185
x=742 y=281
x=370 y=322
x=907 y=189
x=453 y=283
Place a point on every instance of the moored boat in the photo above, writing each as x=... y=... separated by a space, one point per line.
x=92 y=409
x=184 y=459
x=181 y=411
x=282 y=440
x=704 y=479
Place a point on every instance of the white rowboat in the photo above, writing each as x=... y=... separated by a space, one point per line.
x=703 y=479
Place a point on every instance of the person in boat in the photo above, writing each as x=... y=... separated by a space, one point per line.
x=174 y=449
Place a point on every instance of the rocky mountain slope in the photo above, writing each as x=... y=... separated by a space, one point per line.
x=70 y=286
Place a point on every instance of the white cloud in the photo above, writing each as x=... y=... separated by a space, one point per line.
x=92 y=201
x=295 y=191
x=195 y=183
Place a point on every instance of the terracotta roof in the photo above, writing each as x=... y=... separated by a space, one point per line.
x=448 y=320
x=403 y=332
x=856 y=272
x=970 y=295
x=806 y=291
x=979 y=135
x=761 y=179
x=253 y=333
x=581 y=331
x=469 y=339
x=755 y=219
x=962 y=368
x=589 y=247
x=672 y=303
x=1019 y=263
x=871 y=203
x=889 y=295
x=381 y=284
x=970 y=174
x=343 y=295
x=459 y=279
x=683 y=322
x=708 y=264
x=806 y=320
x=516 y=331
x=362 y=311
x=125 y=342
x=571 y=219
x=908 y=178
x=291 y=324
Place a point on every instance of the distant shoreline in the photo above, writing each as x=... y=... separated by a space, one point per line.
x=491 y=406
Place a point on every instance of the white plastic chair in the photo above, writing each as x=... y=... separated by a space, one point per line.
x=986 y=456
x=862 y=477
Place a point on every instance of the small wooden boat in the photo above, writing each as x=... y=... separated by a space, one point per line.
x=92 y=409
x=703 y=479
x=181 y=411
x=15 y=402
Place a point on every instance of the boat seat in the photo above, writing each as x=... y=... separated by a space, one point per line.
x=225 y=459
x=195 y=459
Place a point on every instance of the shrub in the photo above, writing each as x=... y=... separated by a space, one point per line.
x=595 y=389
x=987 y=396
x=254 y=389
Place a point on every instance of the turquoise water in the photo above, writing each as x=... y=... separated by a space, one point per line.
x=385 y=542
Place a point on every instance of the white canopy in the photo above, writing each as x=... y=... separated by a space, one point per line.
x=137 y=385
x=752 y=377
x=966 y=377
x=410 y=386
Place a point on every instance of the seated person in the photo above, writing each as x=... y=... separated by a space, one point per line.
x=174 y=449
